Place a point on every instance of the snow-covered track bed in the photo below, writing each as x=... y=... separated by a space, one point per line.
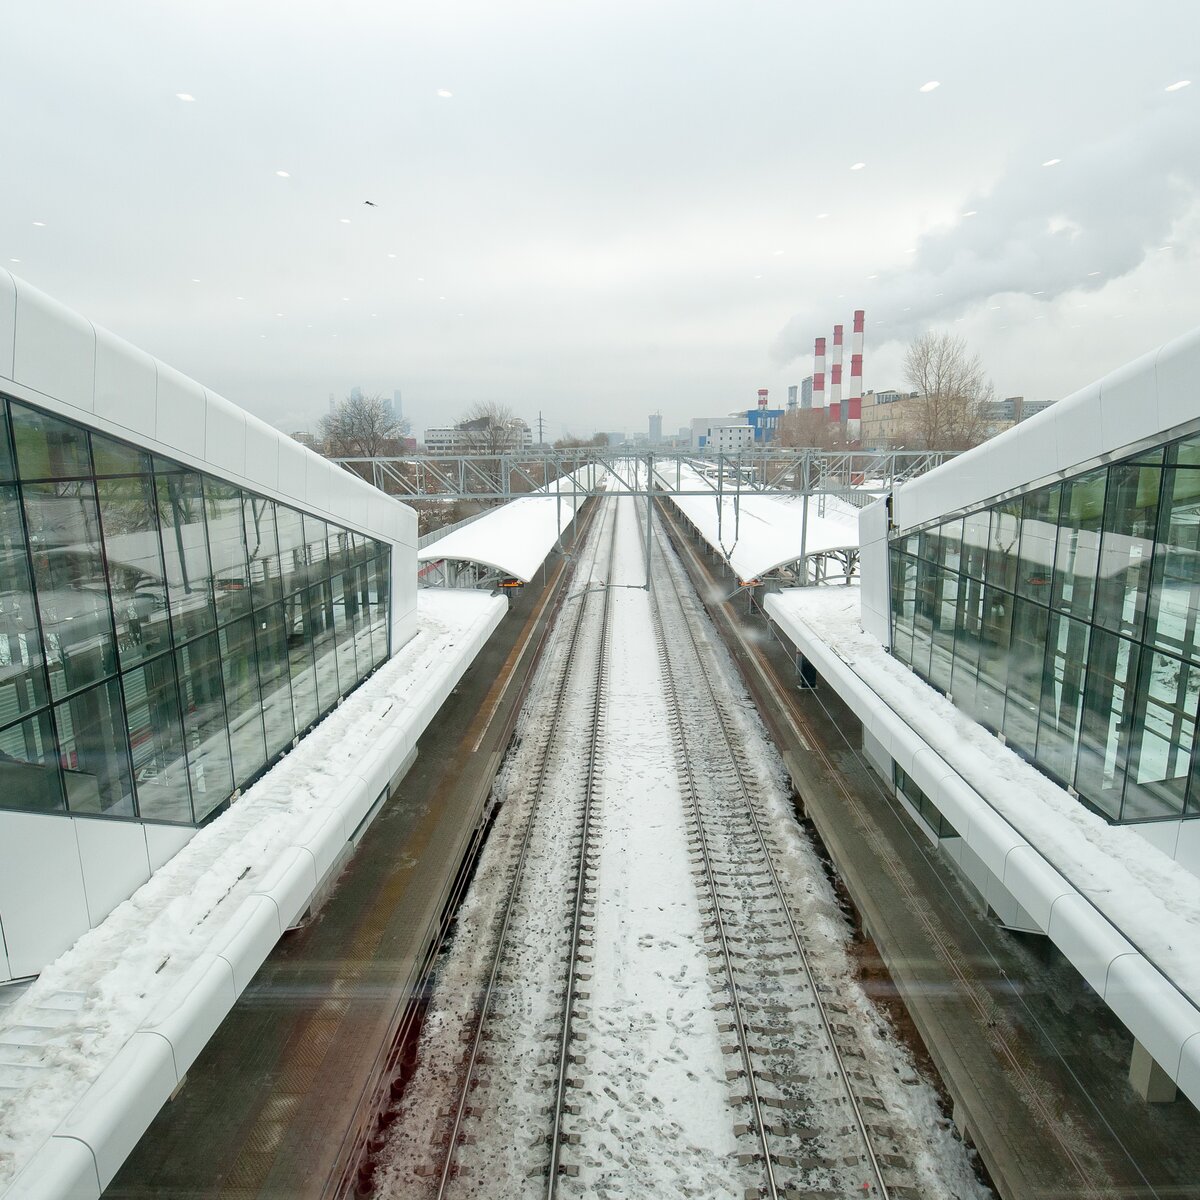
x=803 y=1124
x=543 y=919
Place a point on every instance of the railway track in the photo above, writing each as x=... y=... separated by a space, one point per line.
x=804 y=1125
x=579 y=671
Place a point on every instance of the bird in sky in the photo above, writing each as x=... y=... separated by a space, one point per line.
x=371 y=203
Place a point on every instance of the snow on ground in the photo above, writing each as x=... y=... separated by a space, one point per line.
x=1146 y=894
x=768 y=530
x=106 y=985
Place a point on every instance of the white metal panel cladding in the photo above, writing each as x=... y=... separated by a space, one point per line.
x=126 y=385
x=54 y=350
x=8 y=322
x=115 y=862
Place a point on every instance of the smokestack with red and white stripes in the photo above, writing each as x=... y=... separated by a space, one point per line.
x=835 y=382
x=854 y=399
x=818 y=396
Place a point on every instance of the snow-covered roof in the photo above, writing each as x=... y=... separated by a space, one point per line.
x=515 y=538
x=767 y=531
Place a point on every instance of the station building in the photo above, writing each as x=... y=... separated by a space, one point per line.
x=1047 y=585
x=184 y=592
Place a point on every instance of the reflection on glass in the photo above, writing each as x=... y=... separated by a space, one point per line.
x=29 y=773
x=1174 y=616
x=1127 y=549
x=1164 y=730
x=22 y=669
x=185 y=551
x=136 y=576
x=156 y=742
x=1077 y=552
x=1026 y=649
x=92 y=749
x=113 y=560
x=1039 y=532
x=239 y=665
x=274 y=673
x=1107 y=720
x=1062 y=696
x=205 y=728
x=72 y=592
x=48 y=448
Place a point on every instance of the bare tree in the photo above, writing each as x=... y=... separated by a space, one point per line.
x=951 y=410
x=571 y=442
x=808 y=428
x=361 y=426
x=488 y=428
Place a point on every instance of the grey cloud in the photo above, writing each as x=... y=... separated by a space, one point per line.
x=1040 y=231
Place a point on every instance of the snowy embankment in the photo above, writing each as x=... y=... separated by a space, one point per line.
x=71 y=1036
x=1153 y=900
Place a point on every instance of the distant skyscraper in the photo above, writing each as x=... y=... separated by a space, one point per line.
x=655 y=428
x=806 y=391
x=792 y=397
x=356 y=393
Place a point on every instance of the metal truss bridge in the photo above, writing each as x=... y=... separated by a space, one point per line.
x=858 y=476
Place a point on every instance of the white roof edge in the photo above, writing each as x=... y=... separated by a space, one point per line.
x=1143 y=401
x=1164 y=1018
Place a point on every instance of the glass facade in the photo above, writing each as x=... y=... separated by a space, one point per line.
x=164 y=635
x=1068 y=619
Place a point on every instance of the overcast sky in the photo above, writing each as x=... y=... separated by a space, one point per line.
x=599 y=210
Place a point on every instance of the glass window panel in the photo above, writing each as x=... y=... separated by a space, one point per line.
x=1174 y=604
x=29 y=771
x=924 y=614
x=316 y=545
x=290 y=527
x=137 y=578
x=380 y=618
x=968 y=632
x=1185 y=453
x=227 y=549
x=1127 y=547
x=262 y=550
x=1004 y=534
x=1062 y=696
x=944 y=616
x=48 y=448
x=344 y=602
x=116 y=458
x=1039 y=533
x=949 y=546
x=994 y=648
x=242 y=699
x=7 y=468
x=319 y=614
x=185 y=551
x=301 y=665
x=975 y=543
x=1107 y=721
x=1164 y=727
x=72 y=591
x=270 y=639
x=904 y=586
x=1077 y=552
x=1027 y=647
x=206 y=733
x=362 y=620
x=167 y=466
x=22 y=666
x=156 y=742
x=93 y=751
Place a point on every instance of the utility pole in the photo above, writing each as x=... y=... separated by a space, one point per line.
x=541 y=426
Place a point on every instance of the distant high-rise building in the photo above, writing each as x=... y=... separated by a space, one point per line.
x=792 y=389
x=806 y=391
x=655 y=428
x=356 y=393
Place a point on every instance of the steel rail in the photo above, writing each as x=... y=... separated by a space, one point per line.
x=561 y=693
x=675 y=712
x=745 y=790
x=581 y=874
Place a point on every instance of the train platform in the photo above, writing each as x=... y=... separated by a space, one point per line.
x=99 y=1042
x=1033 y=1063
